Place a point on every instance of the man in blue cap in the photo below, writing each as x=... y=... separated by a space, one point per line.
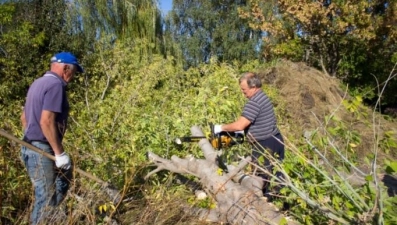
x=44 y=121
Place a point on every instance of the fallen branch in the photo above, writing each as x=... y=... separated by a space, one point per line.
x=239 y=198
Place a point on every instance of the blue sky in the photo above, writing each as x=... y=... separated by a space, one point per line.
x=165 y=5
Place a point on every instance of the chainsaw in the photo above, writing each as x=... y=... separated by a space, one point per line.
x=218 y=141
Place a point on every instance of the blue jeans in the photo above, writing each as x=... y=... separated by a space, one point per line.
x=50 y=184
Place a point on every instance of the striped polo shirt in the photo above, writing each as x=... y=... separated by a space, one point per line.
x=259 y=111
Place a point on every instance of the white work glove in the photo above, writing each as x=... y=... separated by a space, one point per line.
x=62 y=161
x=217 y=129
x=239 y=132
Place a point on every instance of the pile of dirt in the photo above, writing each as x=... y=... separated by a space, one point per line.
x=311 y=97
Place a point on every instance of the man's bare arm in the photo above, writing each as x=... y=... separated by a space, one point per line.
x=238 y=125
x=49 y=128
x=23 y=120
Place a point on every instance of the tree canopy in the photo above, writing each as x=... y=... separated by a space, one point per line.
x=206 y=29
x=352 y=40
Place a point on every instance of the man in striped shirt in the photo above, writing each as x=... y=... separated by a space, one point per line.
x=259 y=123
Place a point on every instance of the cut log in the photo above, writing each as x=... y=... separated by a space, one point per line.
x=238 y=196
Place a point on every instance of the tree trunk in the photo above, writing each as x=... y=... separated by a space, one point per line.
x=239 y=198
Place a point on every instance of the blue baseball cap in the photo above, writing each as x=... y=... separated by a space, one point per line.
x=67 y=57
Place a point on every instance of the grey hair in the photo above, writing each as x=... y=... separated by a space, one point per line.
x=252 y=79
x=72 y=66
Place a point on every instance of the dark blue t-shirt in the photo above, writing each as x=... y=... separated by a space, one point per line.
x=46 y=93
x=259 y=111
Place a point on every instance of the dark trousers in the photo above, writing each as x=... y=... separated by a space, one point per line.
x=275 y=146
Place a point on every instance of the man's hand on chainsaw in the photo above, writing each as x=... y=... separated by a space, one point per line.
x=239 y=132
x=217 y=129
x=218 y=137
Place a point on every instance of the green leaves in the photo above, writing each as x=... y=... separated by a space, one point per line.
x=213 y=30
x=133 y=103
x=391 y=167
x=6 y=11
x=388 y=142
x=369 y=178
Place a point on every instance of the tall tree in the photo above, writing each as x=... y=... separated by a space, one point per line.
x=352 y=39
x=30 y=33
x=206 y=29
x=122 y=19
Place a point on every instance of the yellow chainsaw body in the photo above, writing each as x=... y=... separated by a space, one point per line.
x=221 y=141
